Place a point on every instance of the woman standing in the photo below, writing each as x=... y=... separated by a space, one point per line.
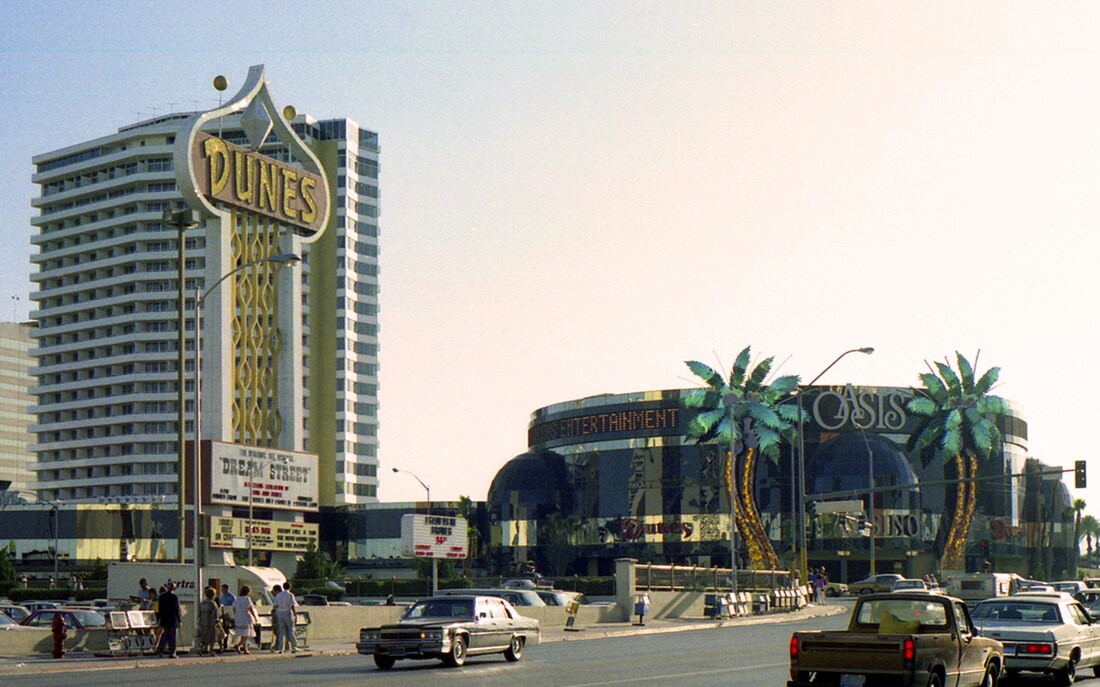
x=208 y=622
x=244 y=618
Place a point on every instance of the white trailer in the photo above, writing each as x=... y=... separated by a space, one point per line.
x=123 y=578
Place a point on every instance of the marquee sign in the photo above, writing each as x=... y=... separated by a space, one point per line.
x=433 y=536
x=267 y=535
x=263 y=477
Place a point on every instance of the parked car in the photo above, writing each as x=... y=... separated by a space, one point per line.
x=1041 y=632
x=516 y=597
x=835 y=589
x=33 y=606
x=1090 y=599
x=1033 y=586
x=79 y=618
x=450 y=628
x=906 y=584
x=7 y=623
x=1069 y=586
x=15 y=611
x=873 y=584
x=560 y=597
x=313 y=600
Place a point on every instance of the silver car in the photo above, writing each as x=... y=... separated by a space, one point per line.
x=1041 y=632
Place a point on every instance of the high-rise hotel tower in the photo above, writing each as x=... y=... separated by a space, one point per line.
x=106 y=307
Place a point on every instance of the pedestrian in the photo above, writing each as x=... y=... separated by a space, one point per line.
x=244 y=619
x=144 y=596
x=168 y=620
x=823 y=585
x=286 y=616
x=208 y=622
x=813 y=583
x=275 y=591
x=226 y=600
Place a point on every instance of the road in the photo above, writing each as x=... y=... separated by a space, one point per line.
x=749 y=656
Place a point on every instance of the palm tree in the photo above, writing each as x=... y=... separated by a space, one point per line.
x=468 y=511
x=1078 y=509
x=745 y=414
x=1091 y=527
x=961 y=421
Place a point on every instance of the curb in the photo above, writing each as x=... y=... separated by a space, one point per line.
x=40 y=664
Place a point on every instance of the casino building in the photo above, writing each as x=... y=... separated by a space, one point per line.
x=260 y=224
x=616 y=476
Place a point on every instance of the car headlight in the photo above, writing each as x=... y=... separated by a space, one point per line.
x=431 y=634
x=369 y=635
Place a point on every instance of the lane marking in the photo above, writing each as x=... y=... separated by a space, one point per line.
x=698 y=673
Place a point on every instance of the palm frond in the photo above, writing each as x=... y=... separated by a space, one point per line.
x=705 y=372
x=790 y=414
x=740 y=365
x=764 y=415
x=979 y=432
x=934 y=387
x=706 y=424
x=920 y=405
x=949 y=378
x=988 y=380
x=781 y=387
x=759 y=374
x=700 y=398
x=966 y=372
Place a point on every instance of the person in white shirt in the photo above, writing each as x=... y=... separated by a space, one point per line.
x=285 y=617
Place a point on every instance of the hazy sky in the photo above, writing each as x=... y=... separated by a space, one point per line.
x=579 y=196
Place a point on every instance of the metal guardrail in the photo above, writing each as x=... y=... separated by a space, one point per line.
x=650 y=577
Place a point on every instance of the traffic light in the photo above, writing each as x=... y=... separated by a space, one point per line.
x=1079 y=474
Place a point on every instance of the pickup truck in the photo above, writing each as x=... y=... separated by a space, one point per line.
x=903 y=638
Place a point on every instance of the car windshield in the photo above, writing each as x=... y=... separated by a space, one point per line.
x=6 y=621
x=441 y=608
x=903 y=616
x=89 y=618
x=1016 y=612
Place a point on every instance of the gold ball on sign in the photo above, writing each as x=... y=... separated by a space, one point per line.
x=289 y=112
x=221 y=83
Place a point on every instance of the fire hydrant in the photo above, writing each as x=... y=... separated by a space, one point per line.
x=59 y=635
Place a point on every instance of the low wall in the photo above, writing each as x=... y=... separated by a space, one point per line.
x=327 y=623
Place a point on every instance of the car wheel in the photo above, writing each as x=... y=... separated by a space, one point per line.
x=514 y=650
x=1067 y=675
x=1096 y=671
x=865 y=592
x=934 y=680
x=384 y=662
x=992 y=672
x=458 y=652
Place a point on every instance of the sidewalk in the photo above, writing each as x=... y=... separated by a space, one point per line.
x=82 y=661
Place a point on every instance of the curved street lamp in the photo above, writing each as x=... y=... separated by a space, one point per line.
x=802 y=563
x=200 y=298
x=435 y=564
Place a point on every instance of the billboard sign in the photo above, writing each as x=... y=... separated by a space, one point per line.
x=263 y=477
x=267 y=535
x=433 y=536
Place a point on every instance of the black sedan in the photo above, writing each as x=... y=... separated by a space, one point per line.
x=450 y=628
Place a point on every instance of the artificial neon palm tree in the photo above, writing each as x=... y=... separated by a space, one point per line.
x=745 y=414
x=960 y=421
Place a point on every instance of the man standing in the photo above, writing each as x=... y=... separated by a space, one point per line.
x=168 y=618
x=285 y=617
x=226 y=601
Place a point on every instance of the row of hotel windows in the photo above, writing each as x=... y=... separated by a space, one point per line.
x=160 y=187
x=359 y=469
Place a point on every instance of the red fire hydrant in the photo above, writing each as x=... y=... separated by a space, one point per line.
x=59 y=635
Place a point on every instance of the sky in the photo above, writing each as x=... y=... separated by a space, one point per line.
x=579 y=196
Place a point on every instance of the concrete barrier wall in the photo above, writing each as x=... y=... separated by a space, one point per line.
x=327 y=623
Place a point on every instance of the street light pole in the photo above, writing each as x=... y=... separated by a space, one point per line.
x=435 y=564
x=182 y=220
x=802 y=562
x=200 y=298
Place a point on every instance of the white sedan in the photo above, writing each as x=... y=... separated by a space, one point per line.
x=1042 y=632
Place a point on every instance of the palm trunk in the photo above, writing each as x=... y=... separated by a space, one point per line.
x=952 y=558
x=761 y=554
